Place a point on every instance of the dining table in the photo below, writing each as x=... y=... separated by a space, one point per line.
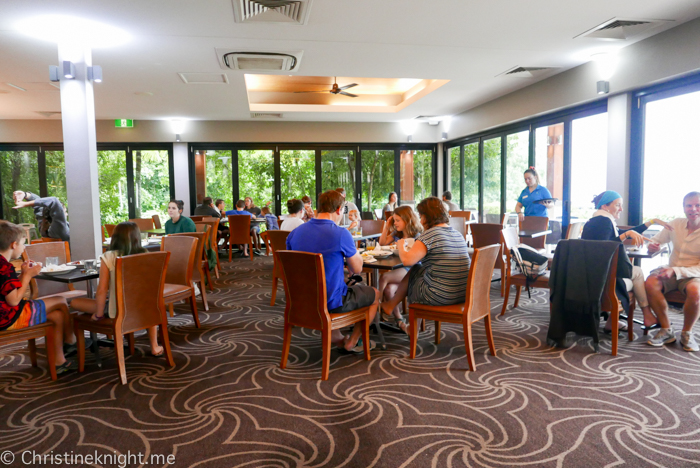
x=533 y=233
x=636 y=254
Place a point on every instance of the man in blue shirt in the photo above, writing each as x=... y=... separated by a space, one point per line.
x=323 y=235
x=254 y=229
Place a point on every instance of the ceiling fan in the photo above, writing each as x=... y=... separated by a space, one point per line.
x=335 y=89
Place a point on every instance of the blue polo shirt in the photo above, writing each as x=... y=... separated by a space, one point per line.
x=236 y=212
x=528 y=199
x=335 y=243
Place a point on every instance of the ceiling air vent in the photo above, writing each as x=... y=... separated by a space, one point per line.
x=203 y=78
x=272 y=11
x=527 y=72
x=265 y=115
x=267 y=60
x=621 y=29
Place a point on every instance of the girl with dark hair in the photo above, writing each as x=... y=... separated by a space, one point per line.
x=294 y=219
x=126 y=240
x=439 y=259
x=533 y=193
x=178 y=223
x=392 y=205
x=603 y=226
x=308 y=209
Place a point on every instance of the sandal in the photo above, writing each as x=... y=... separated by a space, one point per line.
x=66 y=367
x=162 y=352
x=359 y=348
x=96 y=318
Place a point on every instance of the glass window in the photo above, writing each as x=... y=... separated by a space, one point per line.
x=516 y=164
x=455 y=170
x=213 y=176
x=589 y=156
x=377 y=178
x=549 y=162
x=111 y=170
x=56 y=175
x=256 y=176
x=298 y=172
x=671 y=157
x=151 y=183
x=20 y=171
x=492 y=180
x=338 y=170
x=416 y=176
x=471 y=177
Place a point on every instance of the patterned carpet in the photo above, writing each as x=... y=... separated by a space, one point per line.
x=227 y=403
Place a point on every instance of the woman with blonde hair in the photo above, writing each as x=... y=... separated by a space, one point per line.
x=403 y=224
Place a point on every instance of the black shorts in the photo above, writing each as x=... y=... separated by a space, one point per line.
x=358 y=296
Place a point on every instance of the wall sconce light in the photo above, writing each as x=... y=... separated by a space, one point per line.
x=178 y=126
x=409 y=127
x=410 y=138
x=95 y=73
x=68 y=70
x=606 y=64
x=603 y=87
x=444 y=135
x=53 y=73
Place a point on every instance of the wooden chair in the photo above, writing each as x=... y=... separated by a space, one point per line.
x=459 y=224
x=277 y=240
x=198 y=274
x=156 y=221
x=110 y=229
x=612 y=304
x=178 y=277
x=476 y=306
x=211 y=242
x=239 y=233
x=197 y=218
x=30 y=334
x=461 y=214
x=509 y=239
x=214 y=239
x=144 y=224
x=378 y=213
x=367 y=216
x=45 y=240
x=484 y=234
x=375 y=226
x=387 y=214
x=42 y=288
x=574 y=230
x=304 y=280
x=140 y=280
x=534 y=223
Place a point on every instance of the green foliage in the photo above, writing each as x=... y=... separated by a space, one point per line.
x=218 y=177
x=377 y=178
x=19 y=171
x=454 y=175
x=298 y=173
x=338 y=170
x=422 y=174
x=151 y=183
x=471 y=176
x=111 y=171
x=256 y=176
x=516 y=164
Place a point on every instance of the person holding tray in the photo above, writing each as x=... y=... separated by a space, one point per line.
x=527 y=204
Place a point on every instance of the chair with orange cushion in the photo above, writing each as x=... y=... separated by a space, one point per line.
x=44 y=240
x=509 y=239
x=484 y=234
x=144 y=224
x=304 y=280
x=277 y=241
x=534 y=223
x=178 y=278
x=42 y=288
x=374 y=226
x=139 y=280
x=110 y=229
x=30 y=334
x=213 y=239
x=197 y=218
x=476 y=306
x=205 y=228
x=239 y=233
x=198 y=274
x=156 y=221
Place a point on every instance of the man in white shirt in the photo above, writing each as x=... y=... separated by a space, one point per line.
x=349 y=206
x=447 y=199
x=682 y=273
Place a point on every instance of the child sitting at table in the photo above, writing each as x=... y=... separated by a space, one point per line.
x=270 y=219
x=354 y=218
x=16 y=312
x=126 y=240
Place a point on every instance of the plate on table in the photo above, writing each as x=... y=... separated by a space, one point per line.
x=54 y=270
x=379 y=253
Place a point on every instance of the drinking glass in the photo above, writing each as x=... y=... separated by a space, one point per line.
x=51 y=261
x=371 y=243
x=90 y=267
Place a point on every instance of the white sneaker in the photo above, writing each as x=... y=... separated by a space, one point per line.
x=662 y=337
x=688 y=342
x=197 y=292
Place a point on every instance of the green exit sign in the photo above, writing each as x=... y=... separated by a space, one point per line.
x=124 y=123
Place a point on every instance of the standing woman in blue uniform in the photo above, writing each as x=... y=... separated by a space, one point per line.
x=532 y=193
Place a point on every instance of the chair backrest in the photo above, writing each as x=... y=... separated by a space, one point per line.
x=140 y=280
x=213 y=224
x=484 y=234
x=574 y=230
x=461 y=214
x=201 y=242
x=196 y=218
x=610 y=301
x=378 y=213
x=110 y=229
x=208 y=230
x=183 y=250
x=304 y=280
x=459 y=224
x=38 y=253
x=367 y=215
x=278 y=240
x=156 y=221
x=45 y=240
x=239 y=229
x=534 y=223
x=388 y=214
x=478 y=301
x=144 y=224
x=375 y=226
x=509 y=240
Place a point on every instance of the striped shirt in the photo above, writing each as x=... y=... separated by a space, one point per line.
x=441 y=277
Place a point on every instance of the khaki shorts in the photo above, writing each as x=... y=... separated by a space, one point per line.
x=671 y=284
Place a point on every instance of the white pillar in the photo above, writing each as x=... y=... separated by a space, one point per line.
x=619 y=128
x=440 y=171
x=182 y=174
x=80 y=149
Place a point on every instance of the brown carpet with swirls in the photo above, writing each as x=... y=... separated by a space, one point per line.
x=227 y=403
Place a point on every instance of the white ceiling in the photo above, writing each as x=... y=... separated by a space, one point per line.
x=468 y=42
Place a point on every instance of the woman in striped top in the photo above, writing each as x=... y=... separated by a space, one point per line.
x=439 y=259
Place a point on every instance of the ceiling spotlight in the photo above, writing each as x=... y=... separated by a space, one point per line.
x=95 y=73
x=68 y=70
